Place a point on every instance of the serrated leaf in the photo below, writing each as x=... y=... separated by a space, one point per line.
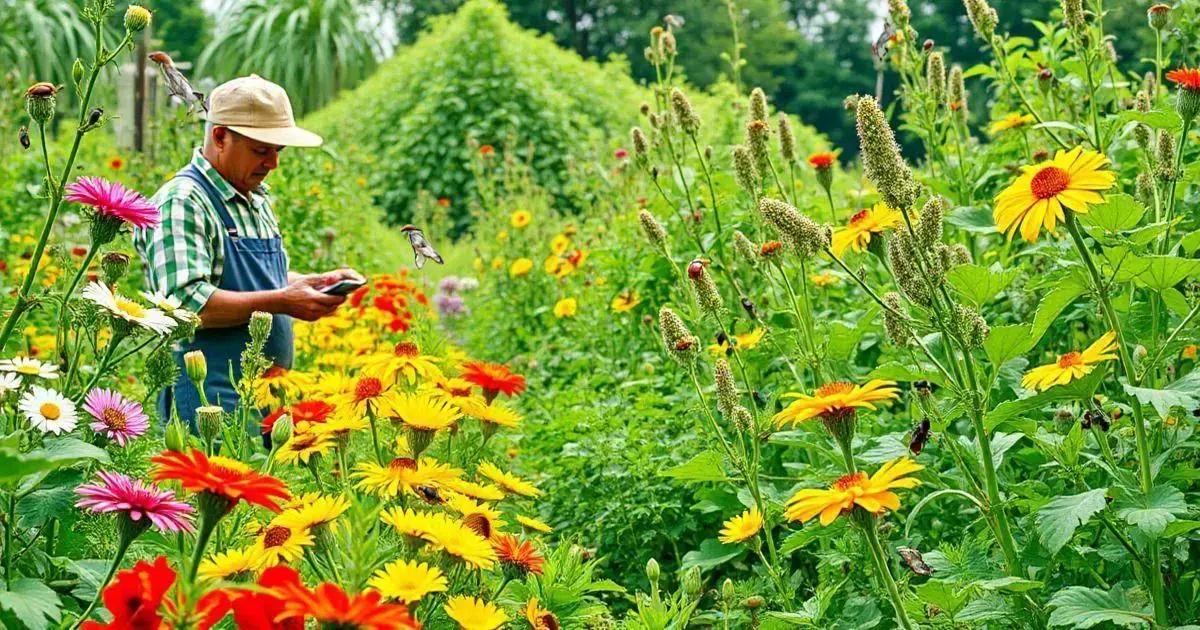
x=978 y=284
x=1060 y=297
x=1058 y=519
x=706 y=466
x=1118 y=213
x=43 y=504
x=31 y=601
x=1152 y=513
x=710 y=554
x=1007 y=342
x=942 y=594
x=1082 y=607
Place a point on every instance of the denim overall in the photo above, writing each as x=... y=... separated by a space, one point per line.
x=251 y=264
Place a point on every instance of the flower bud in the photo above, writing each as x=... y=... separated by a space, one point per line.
x=758 y=138
x=744 y=248
x=902 y=260
x=1144 y=189
x=114 y=265
x=727 y=591
x=935 y=76
x=758 y=104
x=208 y=420
x=691 y=582
x=802 y=233
x=1187 y=99
x=641 y=147
x=787 y=139
x=960 y=254
x=137 y=18
x=896 y=328
x=282 y=430
x=927 y=45
x=929 y=225
x=175 y=436
x=727 y=395
x=1165 y=158
x=742 y=420
x=745 y=173
x=77 y=71
x=898 y=9
x=260 y=326
x=652 y=571
x=40 y=101
x=1159 y=16
x=196 y=367
x=644 y=108
x=681 y=344
x=881 y=157
x=655 y=232
x=971 y=326
x=983 y=18
x=754 y=602
x=707 y=294
x=956 y=99
x=685 y=114
x=1141 y=102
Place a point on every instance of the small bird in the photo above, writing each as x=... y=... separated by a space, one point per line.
x=421 y=247
x=178 y=84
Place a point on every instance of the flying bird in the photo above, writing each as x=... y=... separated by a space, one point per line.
x=177 y=83
x=421 y=247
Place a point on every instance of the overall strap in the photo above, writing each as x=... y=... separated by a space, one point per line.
x=190 y=172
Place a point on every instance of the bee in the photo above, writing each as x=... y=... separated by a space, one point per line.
x=429 y=494
x=914 y=560
x=920 y=435
x=23 y=136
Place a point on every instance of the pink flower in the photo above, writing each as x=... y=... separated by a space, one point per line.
x=620 y=154
x=117 y=418
x=136 y=500
x=112 y=200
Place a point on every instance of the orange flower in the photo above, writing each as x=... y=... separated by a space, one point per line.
x=219 y=477
x=116 y=163
x=824 y=159
x=314 y=411
x=494 y=378
x=1185 y=78
x=519 y=555
x=330 y=606
x=486 y=150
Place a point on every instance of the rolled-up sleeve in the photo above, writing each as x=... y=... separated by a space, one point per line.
x=179 y=253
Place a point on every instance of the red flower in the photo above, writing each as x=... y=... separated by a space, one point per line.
x=824 y=159
x=517 y=554
x=444 y=202
x=486 y=150
x=261 y=610
x=315 y=411
x=220 y=477
x=116 y=163
x=620 y=154
x=493 y=378
x=135 y=596
x=268 y=423
x=328 y=604
x=79 y=250
x=1186 y=78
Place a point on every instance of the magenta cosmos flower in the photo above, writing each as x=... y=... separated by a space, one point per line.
x=144 y=504
x=116 y=417
x=114 y=201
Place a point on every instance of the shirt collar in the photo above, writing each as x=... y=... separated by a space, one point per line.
x=219 y=182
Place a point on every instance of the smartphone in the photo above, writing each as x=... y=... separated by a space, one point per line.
x=343 y=287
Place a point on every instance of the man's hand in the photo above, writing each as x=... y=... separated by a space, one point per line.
x=302 y=299
x=330 y=278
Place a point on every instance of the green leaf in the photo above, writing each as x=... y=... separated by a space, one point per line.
x=814 y=531
x=1058 y=519
x=1179 y=528
x=1053 y=303
x=977 y=219
x=1118 y=213
x=1152 y=513
x=1158 y=119
x=978 y=284
x=1184 y=392
x=942 y=594
x=707 y=466
x=710 y=554
x=1154 y=272
x=45 y=503
x=32 y=602
x=1007 y=342
x=1081 y=389
x=1010 y=583
x=68 y=450
x=14 y=464
x=1082 y=607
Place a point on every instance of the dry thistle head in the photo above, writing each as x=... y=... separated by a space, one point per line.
x=881 y=158
x=758 y=104
x=1165 y=157
x=745 y=173
x=803 y=234
x=681 y=344
x=758 y=138
x=787 y=139
x=983 y=18
x=935 y=76
x=707 y=294
x=685 y=114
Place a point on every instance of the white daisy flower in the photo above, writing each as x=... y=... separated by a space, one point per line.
x=9 y=382
x=30 y=367
x=48 y=411
x=165 y=303
x=126 y=309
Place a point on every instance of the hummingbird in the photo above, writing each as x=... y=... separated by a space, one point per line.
x=421 y=247
x=178 y=84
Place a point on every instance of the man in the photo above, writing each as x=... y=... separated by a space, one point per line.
x=218 y=248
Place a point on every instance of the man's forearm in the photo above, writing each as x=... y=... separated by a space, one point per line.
x=233 y=308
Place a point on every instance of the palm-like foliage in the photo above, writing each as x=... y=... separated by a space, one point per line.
x=40 y=39
x=313 y=48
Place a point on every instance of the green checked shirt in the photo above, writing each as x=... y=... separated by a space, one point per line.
x=185 y=254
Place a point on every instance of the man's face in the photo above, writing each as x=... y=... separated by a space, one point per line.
x=243 y=161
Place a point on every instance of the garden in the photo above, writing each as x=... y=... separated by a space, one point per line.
x=644 y=342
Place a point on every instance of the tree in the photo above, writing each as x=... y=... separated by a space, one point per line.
x=183 y=27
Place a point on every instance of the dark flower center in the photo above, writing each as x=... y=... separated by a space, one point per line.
x=276 y=536
x=1049 y=181
x=115 y=419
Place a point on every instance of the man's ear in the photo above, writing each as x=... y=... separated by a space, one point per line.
x=221 y=136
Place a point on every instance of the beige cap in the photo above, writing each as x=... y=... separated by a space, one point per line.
x=258 y=109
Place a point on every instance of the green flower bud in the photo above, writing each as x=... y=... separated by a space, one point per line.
x=758 y=104
x=957 y=90
x=260 y=326
x=655 y=232
x=691 y=582
x=685 y=114
x=652 y=571
x=196 y=366
x=902 y=260
x=758 y=138
x=935 y=76
x=804 y=236
x=1159 y=16
x=787 y=139
x=137 y=18
x=960 y=254
x=727 y=591
x=175 y=436
x=881 y=157
x=282 y=430
x=900 y=13
x=114 y=265
x=727 y=394
x=681 y=344
x=40 y=101
x=742 y=420
x=1144 y=187
x=983 y=18
x=77 y=71
x=208 y=420
x=745 y=173
x=971 y=326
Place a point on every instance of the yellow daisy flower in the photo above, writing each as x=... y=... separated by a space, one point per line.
x=1041 y=195
x=282 y=543
x=424 y=412
x=836 y=400
x=475 y=614
x=404 y=361
x=824 y=279
x=539 y=618
x=520 y=267
x=744 y=341
x=508 y=481
x=857 y=233
x=478 y=491
x=1011 y=121
x=742 y=527
x=873 y=494
x=626 y=301
x=495 y=414
x=402 y=475
x=235 y=565
x=1072 y=365
x=520 y=219
x=319 y=511
x=536 y=525
x=445 y=534
x=566 y=307
x=303 y=446
x=407 y=581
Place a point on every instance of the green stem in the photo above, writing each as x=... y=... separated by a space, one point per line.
x=208 y=524
x=1021 y=95
x=885 y=573
x=1183 y=135
x=1087 y=66
x=62 y=309
x=10 y=523
x=122 y=547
